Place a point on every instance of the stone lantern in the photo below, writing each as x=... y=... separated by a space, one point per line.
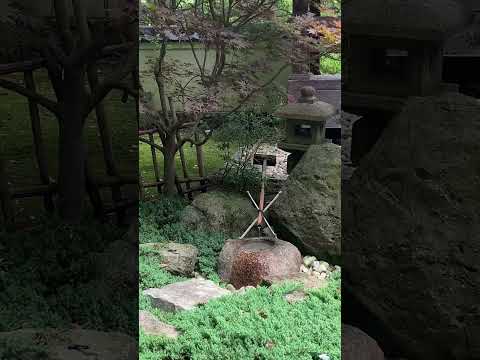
x=395 y=48
x=305 y=124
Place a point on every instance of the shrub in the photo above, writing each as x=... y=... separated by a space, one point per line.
x=154 y=227
x=49 y=278
x=244 y=133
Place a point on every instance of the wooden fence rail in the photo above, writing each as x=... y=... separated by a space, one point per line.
x=48 y=187
x=186 y=185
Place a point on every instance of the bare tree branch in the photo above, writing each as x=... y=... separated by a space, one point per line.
x=113 y=81
x=63 y=23
x=41 y=100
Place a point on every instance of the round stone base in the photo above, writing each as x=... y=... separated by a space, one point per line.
x=248 y=262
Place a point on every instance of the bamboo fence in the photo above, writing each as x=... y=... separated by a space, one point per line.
x=186 y=185
x=48 y=187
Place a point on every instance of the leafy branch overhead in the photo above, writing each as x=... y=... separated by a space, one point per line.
x=73 y=48
x=69 y=53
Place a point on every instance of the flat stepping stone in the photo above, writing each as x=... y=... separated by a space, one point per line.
x=309 y=281
x=185 y=295
x=295 y=297
x=59 y=344
x=152 y=326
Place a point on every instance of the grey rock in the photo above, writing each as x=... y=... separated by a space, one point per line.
x=57 y=343
x=321 y=275
x=152 y=326
x=320 y=266
x=179 y=259
x=304 y=269
x=247 y=262
x=411 y=210
x=308 y=212
x=295 y=297
x=308 y=260
x=308 y=281
x=357 y=345
x=185 y=295
x=219 y=211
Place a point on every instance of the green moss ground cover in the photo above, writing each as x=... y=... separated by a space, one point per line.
x=259 y=324
x=49 y=277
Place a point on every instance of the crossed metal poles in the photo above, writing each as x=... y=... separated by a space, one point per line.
x=260 y=220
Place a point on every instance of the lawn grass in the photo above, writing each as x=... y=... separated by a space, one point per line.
x=213 y=160
x=259 y=324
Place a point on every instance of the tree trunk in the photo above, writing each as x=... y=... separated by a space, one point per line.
x=169 y=165
x=300 y=7
x=72 y=150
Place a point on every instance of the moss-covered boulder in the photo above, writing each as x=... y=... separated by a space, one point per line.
x=308 y=212
x=230 y=213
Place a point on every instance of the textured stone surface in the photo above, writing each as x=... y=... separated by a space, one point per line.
x=185 y=295
x=179 y=259
x=295 y=297
x=348 y=120
x=411 y=230
x=357 y=345
x=308 y=212
x=60 y=344
x=152 y=326
x=248 y=261
x=308 y=281
x=220 y=211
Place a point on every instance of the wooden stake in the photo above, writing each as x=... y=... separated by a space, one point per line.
x=6 y=201
x=155 y=162
x=40 y=153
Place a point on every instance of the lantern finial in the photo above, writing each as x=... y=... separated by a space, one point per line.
x=307 y=95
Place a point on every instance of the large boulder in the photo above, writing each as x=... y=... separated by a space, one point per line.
x=308 y=212
x=357 y=345
x=220 y=211
x=248 y=262
x=411 y=230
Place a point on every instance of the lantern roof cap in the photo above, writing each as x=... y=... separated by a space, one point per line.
x=307 y=108
x=408 y=19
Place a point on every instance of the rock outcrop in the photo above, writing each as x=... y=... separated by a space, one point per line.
x=411 y=229
x=220 y=211
x=178 y=259
x=308 y=212
x=357 y=345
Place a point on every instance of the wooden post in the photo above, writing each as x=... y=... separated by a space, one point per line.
x=40 y=153
x=103 y=126
x=201 y=168
x=141 y=191
x=184 y=168
x=94 y=193
x=155 y=162
x=6 y=201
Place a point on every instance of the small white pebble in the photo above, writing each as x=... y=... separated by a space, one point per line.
x=323 y=357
